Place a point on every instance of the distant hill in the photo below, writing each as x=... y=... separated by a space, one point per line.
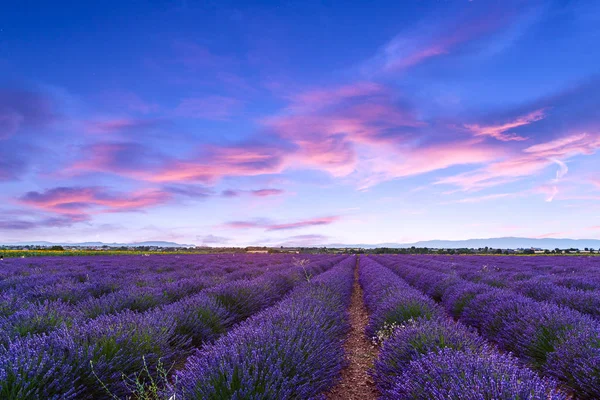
x=496 y=243
x=99 y=244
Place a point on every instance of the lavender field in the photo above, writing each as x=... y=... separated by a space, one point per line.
x=281 y=326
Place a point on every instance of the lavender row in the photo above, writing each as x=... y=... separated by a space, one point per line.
x=428 y=356
x=292 y=350
x=536 y=287
x=389 y=300
x=581 y=272
x=22 y=318
x=74 y=279
x=19 y=318
x=556 y=340
x=110 y=350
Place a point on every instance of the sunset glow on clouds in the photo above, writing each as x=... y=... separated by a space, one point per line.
x=299 y=124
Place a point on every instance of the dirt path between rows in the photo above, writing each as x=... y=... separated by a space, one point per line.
x=356 y=383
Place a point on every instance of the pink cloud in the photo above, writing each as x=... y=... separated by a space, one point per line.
x=118 y=125
x=318 y=98
x=256 y=193
x=327 y=125
x=218 y=163
x=214 y=163
x=551 y=234
x=530 y=161
x=303 y=224
x=410 y=49
x=271 y=226
x=549 y=191
x=82 y=200
x=499 y=131
x=582 y=143
x=243 y=225
x=121 y=158
x=385 y=164
x=304 y=240
x=488 y=197
x=210 y=107
x=267 y=192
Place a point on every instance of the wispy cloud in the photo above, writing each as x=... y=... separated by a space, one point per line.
x=24 y=109
x=429 y=41
x=530 y=161
x=209 y=107
x=255 y=192
x=278 y=226
x=500 y=131
x=213 y=240
x=122 y=125
x=92 y=199
x=478 y=199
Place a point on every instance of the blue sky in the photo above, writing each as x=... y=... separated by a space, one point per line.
x=240 y=123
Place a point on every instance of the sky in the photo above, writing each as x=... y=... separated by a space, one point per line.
x=225 y=123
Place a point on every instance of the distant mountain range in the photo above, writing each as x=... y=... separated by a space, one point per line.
x=495 y=243
x=98 y=244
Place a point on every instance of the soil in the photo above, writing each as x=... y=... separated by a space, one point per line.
x=356 y=383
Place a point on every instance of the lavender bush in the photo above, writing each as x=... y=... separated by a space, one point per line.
x=459 y=375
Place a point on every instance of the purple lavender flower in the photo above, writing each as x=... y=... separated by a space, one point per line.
x=458 y=375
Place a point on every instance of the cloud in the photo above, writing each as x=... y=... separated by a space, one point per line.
x=245 y=224
x=212 y=239
x=499 y=131
x=208 y=165
x=219 y=162
x=562 y=169
x=91 y=199
x=581 y=143
x=25 y=109
x=9 y=222
x=196 y=57
x=303 y=224
x=528 y=162
x=267 y=192
x=385 y=164
x=12 y=163
x=209 y=107
x=304 y=240
x=328 y=126
x=255 y=193
x=550 y=235
x=319 y=98
x=230 y=193
x=126 y=99
x=193 y=191
x=121 y=158
x=435 y=39
x=122 y=125
x=272 y=226
x=478 y=199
